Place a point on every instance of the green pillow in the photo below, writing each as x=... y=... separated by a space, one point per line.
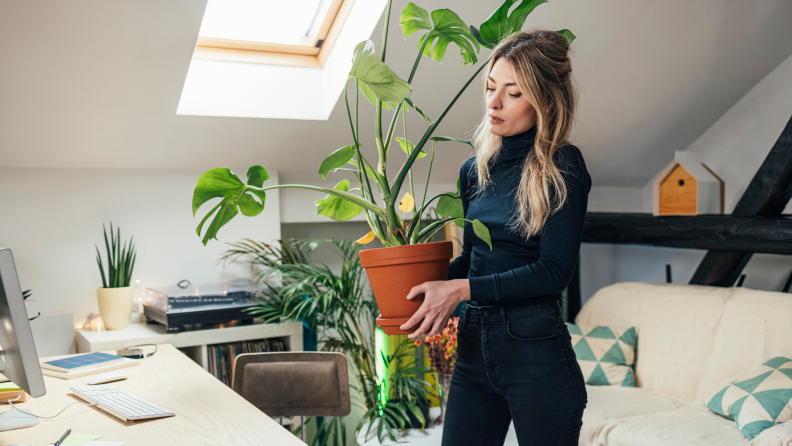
x=606 y=355
x=761 y=400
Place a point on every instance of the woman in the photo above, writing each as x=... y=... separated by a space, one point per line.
x=530 y=187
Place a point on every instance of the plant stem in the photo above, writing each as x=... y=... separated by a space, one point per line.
x=373 y=221
x=447 y=194
x=429 y=175
x=414 y=155
x=407 y=144
x=412 y=232
x=385 y=30
x=418 y=57
x=383 y=149
x=357 y=145
x=340 y=194
x=378 y=118
x=445 y=222
x=413 y=225
x=401 y=104
x=378 y=138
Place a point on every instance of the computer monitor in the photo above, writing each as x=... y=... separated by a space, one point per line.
x=18 y=358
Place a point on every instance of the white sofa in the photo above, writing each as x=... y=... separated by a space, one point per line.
x=692 y=342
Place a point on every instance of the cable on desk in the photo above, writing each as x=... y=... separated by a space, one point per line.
x=45 y=418
x=141 y=352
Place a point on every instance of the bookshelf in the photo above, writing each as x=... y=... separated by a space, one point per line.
x=194 y=344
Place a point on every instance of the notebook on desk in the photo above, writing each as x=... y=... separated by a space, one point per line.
x=83 y=365
x=78 y=362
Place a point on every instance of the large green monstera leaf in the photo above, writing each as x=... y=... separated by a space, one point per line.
x=338 y=208
x=220 y=182
x=444 y=27
x=502 y=23
x=450 y=205
x=249 y=199
x=337 y=160
x=376 y=79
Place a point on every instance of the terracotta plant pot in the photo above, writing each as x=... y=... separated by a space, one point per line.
x=115 y=306
x=393 y=272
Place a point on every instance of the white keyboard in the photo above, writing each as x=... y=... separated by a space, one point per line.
x=120 y=403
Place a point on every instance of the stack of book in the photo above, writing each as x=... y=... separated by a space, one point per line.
x=222 y=356
x=82 y=365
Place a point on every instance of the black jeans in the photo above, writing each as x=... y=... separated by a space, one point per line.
x=514 y=363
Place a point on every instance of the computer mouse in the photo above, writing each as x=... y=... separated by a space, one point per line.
x=105 y=378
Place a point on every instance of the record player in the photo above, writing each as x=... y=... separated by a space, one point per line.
x=186 y=306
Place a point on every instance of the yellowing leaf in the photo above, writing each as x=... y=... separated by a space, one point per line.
x=366 y=238
x=407 y=203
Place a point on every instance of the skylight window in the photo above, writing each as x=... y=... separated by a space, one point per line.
x=281 y=32
x=271 y=84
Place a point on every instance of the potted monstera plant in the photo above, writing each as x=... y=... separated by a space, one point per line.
x=405 y=261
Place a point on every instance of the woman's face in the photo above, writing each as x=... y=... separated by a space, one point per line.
x=508 y=110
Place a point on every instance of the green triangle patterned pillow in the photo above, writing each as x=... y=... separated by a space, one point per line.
x=606 y=355
x=760 y=400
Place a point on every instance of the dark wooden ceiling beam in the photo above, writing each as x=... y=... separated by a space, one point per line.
x=766 y=195
x=771 y=235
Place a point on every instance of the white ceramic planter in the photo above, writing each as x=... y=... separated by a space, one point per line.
x=115 y=306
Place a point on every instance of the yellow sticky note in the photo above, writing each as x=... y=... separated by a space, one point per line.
x=78 y=439
x=9 y=387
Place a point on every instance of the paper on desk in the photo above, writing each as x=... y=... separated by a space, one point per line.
x=104 y=443
x=8 y=386
x=78 y=439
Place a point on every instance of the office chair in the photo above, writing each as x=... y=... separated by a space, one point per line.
x=283 y=384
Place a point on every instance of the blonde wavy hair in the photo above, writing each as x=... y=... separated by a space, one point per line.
x=543 y=72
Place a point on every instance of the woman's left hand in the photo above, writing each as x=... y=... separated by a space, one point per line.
x=440 y=300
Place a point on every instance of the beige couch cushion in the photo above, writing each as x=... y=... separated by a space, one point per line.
x=692 y=341
x=610 y=402
x=686 y=426
x=677 y=327
x=756 y=326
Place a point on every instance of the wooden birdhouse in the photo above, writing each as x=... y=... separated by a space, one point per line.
x=687 y=187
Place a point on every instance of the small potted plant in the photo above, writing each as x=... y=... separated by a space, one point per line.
x=442 y=351
x=115 y=295
x=406 y=260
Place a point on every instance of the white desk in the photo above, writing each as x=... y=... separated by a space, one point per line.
x=207 y=411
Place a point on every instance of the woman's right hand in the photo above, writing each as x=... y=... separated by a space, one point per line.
x=440 y=300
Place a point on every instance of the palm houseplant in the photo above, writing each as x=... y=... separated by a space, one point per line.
x=115 y=295
x=405 y=260
x=336 y=306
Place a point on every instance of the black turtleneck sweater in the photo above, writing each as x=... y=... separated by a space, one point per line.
x=520 y=271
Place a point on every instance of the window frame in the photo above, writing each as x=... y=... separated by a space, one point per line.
x=306 y=52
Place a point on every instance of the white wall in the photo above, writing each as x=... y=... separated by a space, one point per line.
x=598 y=266
x=51 y=219
x=734 y=147
x=737 y=144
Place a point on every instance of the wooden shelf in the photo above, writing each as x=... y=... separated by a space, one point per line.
x=192 y=343
x=770 y=235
